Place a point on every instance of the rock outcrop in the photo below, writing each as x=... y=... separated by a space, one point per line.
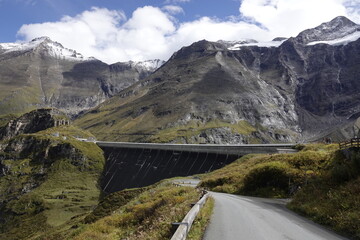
x=33 y=122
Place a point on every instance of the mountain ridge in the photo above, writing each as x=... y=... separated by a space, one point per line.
x=207 y=92
x=43 y=73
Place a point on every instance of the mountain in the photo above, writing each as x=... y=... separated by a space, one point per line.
x=335 y=30
x=43 y=73
x=297 y=89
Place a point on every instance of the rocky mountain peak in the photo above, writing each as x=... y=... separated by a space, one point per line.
x=45 y=46
x=279 y=39
x=148 y=65
x=57 y=50
x=41 y=39
x=337 y=28
x=198 y=48
x=230 y=44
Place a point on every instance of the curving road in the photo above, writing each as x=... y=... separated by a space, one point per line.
x=250 y=218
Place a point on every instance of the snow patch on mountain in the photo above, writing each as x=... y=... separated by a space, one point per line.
x=230 y=44
x=21 y=47
x=148 y=65
x=54 y=49
x=340 y=41
x=338 y=28
x=258 y=44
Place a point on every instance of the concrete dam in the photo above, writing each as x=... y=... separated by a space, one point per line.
x=131 y=165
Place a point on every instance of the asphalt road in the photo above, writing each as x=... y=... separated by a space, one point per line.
x=187 y=182
x=250 y=218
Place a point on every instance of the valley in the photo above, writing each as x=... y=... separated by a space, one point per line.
x=88 y=149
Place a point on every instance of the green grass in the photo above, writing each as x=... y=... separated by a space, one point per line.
x=272 y=175
x=68 y=131
x=323 y=182
x=64 y=199
x=194 y=128
x=201 y=221
x=112 y=202
x=20 y=100
x=4 y=119
x=146 y=214
x=336 y=206
x=61 y=176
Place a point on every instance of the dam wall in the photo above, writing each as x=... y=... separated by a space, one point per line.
x=131 y=165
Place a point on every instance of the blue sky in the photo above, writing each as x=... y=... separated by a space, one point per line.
x=15 y=13
x=122 y=30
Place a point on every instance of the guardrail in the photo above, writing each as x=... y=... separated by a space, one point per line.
x=354 y=142
x=235 y=149
x=184 y=226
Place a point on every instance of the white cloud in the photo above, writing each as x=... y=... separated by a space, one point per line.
x=152 y=32
x=353 y=9
x=213 y=30
x=173 y=9
x=289 y=17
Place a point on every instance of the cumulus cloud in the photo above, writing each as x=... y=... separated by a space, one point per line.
x=107 y=34
x=289 y=17
x=149 y=33
x=152 y=32
x=353 y=9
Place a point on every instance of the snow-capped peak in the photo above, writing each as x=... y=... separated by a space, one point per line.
x=338 y=28
x=41 y=39
x=230 y=44
x=149 y=65
x=53 y=49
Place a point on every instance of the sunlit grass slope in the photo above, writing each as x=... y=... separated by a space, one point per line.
x=145 y=213
x=322 y=181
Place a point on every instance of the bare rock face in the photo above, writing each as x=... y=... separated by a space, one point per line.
x=33 y=122
x=302 y=89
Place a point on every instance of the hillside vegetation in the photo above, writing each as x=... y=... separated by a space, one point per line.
x=322 y=181
x=49 y=189
x=135 y=214
x=46 y=181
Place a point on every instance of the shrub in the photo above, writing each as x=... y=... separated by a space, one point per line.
x=344 y=168
x=267 y=175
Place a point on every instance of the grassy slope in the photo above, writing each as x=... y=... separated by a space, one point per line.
x=324 y=183
x=201 y=221
x=195 y=128
x=135 y=214
x=4 y=119
x=59 y=190
x=63 y=197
